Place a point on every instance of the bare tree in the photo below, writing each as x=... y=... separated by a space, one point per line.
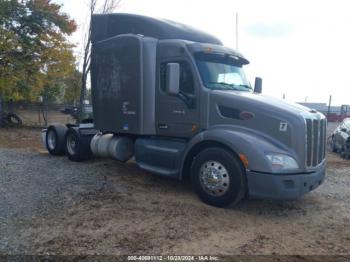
x=106 y=7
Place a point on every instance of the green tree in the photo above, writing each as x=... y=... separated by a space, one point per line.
x=72 y=86
x=34 y=53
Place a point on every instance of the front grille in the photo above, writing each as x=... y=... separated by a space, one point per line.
x=315 y=141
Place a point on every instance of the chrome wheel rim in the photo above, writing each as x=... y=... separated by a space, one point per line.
x=71 y=144
x=214 y=178
x=51 y=140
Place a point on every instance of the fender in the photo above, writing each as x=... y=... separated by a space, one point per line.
x=251 y=143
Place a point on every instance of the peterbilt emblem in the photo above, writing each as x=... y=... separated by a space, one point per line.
x=283 y=126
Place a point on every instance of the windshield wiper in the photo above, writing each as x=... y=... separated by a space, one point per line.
x=245 y=86
x=232 y=86
x=228 y=86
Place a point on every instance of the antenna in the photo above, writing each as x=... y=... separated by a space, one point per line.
x=329 y=106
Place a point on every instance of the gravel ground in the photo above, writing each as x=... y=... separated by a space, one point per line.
x=50 y=205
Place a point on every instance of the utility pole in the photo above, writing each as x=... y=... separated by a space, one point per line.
x=237 y=31
x=329 y=106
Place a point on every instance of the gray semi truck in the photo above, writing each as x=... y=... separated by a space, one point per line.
x=178 y=102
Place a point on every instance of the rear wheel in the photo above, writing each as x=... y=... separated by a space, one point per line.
x=218 y=177
x=55 y=136
x=77 y=146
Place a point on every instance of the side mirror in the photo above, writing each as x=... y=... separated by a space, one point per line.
x=172 y=85
x=258 y=85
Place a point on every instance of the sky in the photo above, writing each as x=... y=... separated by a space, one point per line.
x=301 y=49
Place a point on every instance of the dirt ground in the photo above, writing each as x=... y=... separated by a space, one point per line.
x=53 y=206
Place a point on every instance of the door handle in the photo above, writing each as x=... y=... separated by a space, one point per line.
x=189 y=100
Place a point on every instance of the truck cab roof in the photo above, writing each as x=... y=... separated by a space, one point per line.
x=105 y=26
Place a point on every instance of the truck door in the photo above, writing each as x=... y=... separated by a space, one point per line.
x=177 y=115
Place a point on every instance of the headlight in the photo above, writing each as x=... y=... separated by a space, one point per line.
x=280 y=161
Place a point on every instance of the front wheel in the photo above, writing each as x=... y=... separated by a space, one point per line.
x=218 y=177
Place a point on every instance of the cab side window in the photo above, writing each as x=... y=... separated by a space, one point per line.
x=186 y=77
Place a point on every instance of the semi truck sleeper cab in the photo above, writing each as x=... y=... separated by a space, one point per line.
x=178 y=101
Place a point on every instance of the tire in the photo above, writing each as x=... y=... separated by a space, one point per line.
x=77 y=146
x=13 y=120
x=228 y=186
x=55 y=137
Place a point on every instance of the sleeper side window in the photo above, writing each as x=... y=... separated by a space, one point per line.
x=186 y=77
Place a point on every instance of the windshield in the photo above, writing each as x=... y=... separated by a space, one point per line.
x=219 y=72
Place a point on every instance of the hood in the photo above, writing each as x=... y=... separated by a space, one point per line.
x=276 y=118
x=258 y=102
x=283 y=124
